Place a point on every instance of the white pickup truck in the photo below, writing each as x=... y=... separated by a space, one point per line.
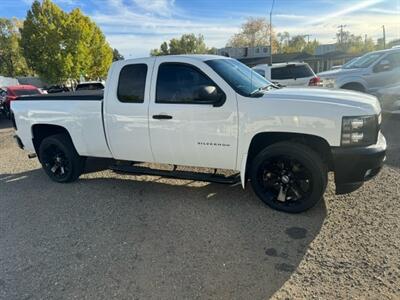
x=212 y=112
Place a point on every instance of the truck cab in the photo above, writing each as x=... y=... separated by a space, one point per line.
x=208 y=111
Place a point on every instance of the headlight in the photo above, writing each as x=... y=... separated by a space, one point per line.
x=328 y=82
x=360 y=131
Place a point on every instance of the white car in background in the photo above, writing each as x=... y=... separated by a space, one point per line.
x=90 y=86
x=289 y=74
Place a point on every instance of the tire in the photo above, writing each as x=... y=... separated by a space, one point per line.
x=59 y=158
x=289 y=177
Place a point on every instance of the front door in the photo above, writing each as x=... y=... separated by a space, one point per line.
x=192 y=116
x=385 y=77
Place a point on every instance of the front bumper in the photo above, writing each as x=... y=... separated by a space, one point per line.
x=354 y=166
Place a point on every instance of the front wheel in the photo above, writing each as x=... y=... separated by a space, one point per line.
x=59 y=158
x=289 y=177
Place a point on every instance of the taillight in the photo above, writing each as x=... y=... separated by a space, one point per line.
x=315 y=81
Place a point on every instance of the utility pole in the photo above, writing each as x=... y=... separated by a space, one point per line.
x=384 y=36
x=341 y=32
x=270 y=32
x=308 y=37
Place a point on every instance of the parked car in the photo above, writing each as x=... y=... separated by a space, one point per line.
x=289 y=74
x=57 y=89
x=213 y=112
x=389 y=97
x=90 y=86
x=15 y=91
x=368 y=73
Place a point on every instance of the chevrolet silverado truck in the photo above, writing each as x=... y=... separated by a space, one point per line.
x=215 y=114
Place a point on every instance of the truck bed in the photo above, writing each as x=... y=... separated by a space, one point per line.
x=80 y=113
x=77 y=96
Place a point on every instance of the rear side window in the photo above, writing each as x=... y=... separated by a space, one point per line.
x=291 y=72
x=180 y=83
x=132 y=83
x=280 y=73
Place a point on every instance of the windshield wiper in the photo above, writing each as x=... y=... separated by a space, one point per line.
x=267 y=87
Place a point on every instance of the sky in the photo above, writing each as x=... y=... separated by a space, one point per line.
x=136 y=26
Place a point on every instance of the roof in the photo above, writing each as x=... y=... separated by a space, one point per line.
x=201 y=57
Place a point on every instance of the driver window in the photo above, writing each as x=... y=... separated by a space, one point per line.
x=393 y=60
x=181 y=83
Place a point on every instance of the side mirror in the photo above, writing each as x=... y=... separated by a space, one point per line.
x=211 y=94
x=382 y=66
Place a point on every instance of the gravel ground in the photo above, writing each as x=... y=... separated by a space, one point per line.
x=110 y=236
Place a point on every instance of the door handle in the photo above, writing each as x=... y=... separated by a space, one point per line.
x=162 y=117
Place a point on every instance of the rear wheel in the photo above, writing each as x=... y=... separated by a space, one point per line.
x=288 y=177
x=59 y=158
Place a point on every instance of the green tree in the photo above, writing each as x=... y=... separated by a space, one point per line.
x=186 y=44
x=60 y=46
x=254 y=32
x=354 y=44
x=296 y=44
x=117 y=55
x=12 y=62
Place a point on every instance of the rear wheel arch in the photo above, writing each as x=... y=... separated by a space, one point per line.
x=42 y=131
x=264 y=139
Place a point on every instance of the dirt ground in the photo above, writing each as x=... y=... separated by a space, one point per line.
x=111 y=236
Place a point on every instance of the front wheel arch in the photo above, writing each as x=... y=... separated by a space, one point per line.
x=264 y=139
x=354 y=86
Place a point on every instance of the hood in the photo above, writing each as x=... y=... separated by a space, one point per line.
x=332 y=96
x=338 y=72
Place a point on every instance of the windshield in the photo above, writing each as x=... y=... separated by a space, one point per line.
x=364 y=61
x=241 y=78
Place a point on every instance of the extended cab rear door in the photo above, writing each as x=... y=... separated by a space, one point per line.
x=186 y=128
x=126 y=103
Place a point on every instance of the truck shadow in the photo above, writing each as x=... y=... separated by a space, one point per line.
x=145 y=238
x=391 y=130
x=4 y=122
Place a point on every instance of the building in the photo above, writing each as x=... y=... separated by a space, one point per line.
x=243 y=52
x=324 y=57
x=324 y=49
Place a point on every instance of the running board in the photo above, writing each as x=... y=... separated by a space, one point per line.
x=208 y=177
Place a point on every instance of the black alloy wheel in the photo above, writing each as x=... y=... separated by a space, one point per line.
x=59 y=158
x=289 y=177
